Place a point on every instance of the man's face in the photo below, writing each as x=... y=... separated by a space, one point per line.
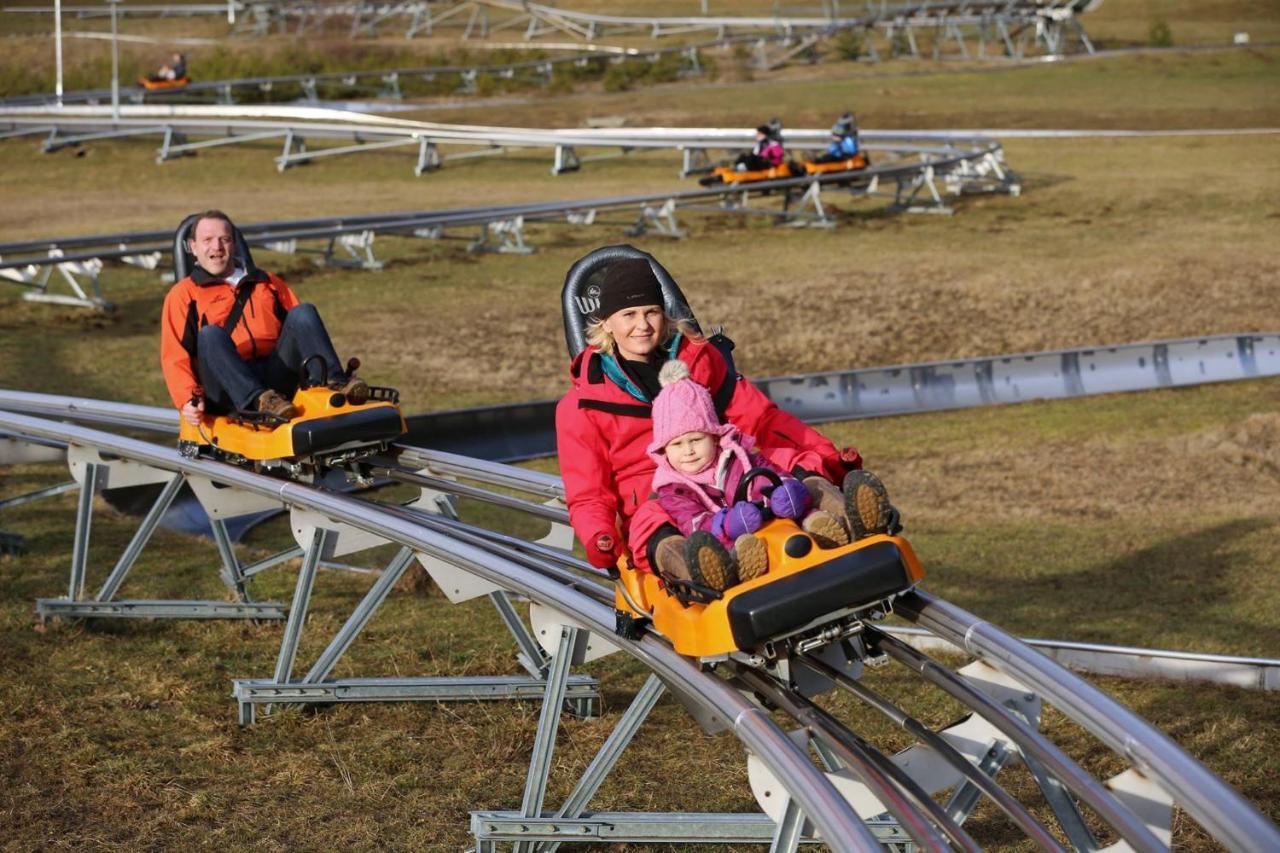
x=213 y=246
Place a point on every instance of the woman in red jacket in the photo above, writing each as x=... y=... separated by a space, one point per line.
x=603 y=424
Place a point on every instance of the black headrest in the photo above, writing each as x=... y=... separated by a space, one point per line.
x=590 y=269
x=184 y=262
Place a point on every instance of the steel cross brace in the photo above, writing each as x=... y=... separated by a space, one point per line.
x=581 y=693
x=105 y=605
x=492 y=828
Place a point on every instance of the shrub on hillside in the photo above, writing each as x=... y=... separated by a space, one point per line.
x=1160 y=34
x=849 y=44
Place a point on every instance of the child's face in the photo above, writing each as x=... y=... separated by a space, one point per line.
x=691 y=452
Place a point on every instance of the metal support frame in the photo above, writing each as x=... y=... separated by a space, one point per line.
x=566 y=160
x=908 y=191
x=659 y=220
x=40 y=277
x=105 y=604
x=288 y=156
x=359 y=249
x=428 y=158
x=56 y=142
x=581 y=693
x=509 y=234
x=38 y=494
x=694 y=160
x=809 y=212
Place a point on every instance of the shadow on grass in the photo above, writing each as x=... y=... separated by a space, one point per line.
x=1176 y=591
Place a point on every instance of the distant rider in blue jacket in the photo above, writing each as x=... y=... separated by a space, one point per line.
x=844 y=141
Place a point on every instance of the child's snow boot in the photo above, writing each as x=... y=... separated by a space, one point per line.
x=827 y=530
x=867 y=505
x=752 y=556
x=710 y=565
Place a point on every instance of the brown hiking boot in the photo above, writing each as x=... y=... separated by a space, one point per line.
x=866 y=504
x=752 y=556
x=826 y=529
x=271 y=403
x=669 y=556
x=825 y=497
x=355 y=389
x=710 y=565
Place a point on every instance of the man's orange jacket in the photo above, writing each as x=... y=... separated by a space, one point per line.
x=251 y=313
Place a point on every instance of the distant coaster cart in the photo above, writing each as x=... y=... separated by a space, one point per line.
x=153 y=84
x=791 y=169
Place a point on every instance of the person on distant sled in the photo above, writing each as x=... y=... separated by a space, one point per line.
x=765 y=154
x=174 y=69
x=844 y=143
x=236 y=338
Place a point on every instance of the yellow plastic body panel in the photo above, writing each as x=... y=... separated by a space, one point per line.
x=729 y=176
x=857 y=161
x=703 y=630
x=264 y=442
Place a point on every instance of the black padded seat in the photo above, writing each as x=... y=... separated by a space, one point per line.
x=184 y=262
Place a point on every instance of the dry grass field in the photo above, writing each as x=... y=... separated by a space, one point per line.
x=1147 y=519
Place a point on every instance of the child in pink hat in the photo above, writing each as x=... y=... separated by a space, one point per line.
x=701 y=462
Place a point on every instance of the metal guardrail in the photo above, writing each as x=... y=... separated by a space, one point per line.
x=526 y=430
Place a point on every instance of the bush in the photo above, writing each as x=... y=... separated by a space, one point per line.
x=1160 y=34
x=849 y=44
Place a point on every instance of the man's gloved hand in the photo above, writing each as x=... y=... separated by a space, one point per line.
x=742 y=517
x=192 y=411
x=851 y=459
x=789 y=500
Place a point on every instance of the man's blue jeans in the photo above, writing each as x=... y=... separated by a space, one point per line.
x=231 y=383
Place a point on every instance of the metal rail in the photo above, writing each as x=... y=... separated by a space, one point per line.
x=821 y=802
x=581 y=602
x=986 y=17
x=1215 y=805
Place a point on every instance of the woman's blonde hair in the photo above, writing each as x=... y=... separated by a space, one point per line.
x=600 y=338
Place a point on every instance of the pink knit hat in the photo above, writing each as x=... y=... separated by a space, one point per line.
x=682 y=406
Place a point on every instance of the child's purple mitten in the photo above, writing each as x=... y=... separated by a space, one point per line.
x=744 y=517
x=789 y=500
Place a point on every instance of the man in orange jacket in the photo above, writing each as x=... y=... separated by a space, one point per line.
x=233 y=338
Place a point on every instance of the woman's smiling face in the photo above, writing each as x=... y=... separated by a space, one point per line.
x=637 y=331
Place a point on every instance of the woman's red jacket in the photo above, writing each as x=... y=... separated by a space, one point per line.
x=602 y=432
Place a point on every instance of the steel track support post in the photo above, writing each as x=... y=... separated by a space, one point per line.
x=84 y=521
x=428 y=158
x=535 y=789
x=287 y=156
x=786 y=838
x=140 y=539
x=695 y=160
x=359 y=617
x=232 y=573
x=391 y=87
x=610 y=751
x=566 y=160
x=966 y=795
x=298 y=609
x=531 y=656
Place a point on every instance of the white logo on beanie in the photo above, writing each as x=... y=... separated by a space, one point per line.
x=589 y=303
